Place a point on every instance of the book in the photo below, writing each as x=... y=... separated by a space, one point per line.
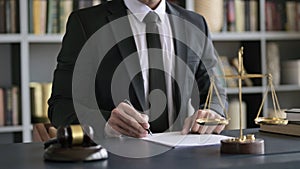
x=30 y=16
x=2 y=16
x=8 y=16
x=52 y=16
x=289 y=129
x=1 y=107
x=39 y=95
x=253 y=5
x=65 y=9
x=231 y=16
x=298 y=16
x=8 y=107
x=240 y=15
x=15 y=105
x=291 y=71
x=291 y=15
x=14 y=11
x=293 y=114
x=39 y=8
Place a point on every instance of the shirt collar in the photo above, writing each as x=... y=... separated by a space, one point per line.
x=140 y=10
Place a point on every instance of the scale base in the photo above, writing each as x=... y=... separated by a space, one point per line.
x=243 y=146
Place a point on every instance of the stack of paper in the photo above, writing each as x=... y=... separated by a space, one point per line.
x=176 y=139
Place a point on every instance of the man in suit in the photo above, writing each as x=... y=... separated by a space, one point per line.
x=123 y=118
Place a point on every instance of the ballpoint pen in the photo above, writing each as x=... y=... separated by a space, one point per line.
x=129 y=103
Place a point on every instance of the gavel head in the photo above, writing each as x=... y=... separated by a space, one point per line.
x=75 y=135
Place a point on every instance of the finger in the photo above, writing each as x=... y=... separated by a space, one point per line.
x=187 y=125
x=119 y=119
x=219 y=129
x=210 y=129
x=203 y=128
x=131 y=111
x=196 y=128
x=130 y=133
x=124 y=129
x=146 y=118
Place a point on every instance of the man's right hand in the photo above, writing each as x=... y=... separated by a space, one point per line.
x=127 y=121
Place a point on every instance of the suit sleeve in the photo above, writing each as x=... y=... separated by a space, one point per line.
x=61 y=110
x=209 y=67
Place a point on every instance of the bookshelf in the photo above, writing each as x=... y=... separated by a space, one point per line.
x=37 y=57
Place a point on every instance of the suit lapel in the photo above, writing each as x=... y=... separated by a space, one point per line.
x=127 y=47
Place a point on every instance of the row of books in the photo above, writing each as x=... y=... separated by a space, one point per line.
x=292 y=128
x=9 y=20
x=282 y=15
x=241 y=15
x=10 y=112
x=9 y=106
x=50 y=16
x=39 y=95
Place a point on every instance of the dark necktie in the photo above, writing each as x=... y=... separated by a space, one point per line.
x=158 y=116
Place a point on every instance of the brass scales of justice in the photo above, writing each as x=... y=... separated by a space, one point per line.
x=244 y=144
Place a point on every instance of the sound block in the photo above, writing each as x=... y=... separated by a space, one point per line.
x=76 y=153
x=247 y=146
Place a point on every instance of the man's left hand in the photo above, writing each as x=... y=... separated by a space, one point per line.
x=190 y=124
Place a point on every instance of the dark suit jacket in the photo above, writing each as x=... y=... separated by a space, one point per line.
x=82 y=24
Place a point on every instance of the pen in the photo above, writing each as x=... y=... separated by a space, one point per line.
x=129 y=103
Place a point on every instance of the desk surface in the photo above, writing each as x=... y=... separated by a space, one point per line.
x=281 y=152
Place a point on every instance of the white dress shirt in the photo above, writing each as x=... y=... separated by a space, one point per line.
x=137 y=11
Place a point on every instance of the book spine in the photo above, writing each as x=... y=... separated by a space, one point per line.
x=2 y=107
x=298 y=15
x=253 y=15
x=231 y=16
x=2 y=16
x=240 y=15
x=65 y=9
x=8 y=107
x=36 y=17
x=15 y=106
x=247 y=15
x=13 y=16
x=269 y=15
x=291 y=15
x=8 y=17
x=30 y=15
x=52 y=16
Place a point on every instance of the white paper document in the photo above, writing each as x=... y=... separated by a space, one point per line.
x=176 y=139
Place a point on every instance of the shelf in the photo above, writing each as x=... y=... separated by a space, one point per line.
x=249 y=90
x=236 y=36
x=10 y=38
x=245 y=90
x=49 y=38
x=287 y=88
x=6 y=129
x=282 y=35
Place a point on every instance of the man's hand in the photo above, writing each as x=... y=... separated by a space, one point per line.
x=190 y=124
x=126 y=120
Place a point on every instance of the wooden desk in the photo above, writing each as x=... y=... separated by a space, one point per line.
x=281 y=152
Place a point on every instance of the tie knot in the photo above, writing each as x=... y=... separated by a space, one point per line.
x=151 y=17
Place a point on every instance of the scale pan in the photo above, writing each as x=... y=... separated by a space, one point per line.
x=271 y=121
x=212 y=122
